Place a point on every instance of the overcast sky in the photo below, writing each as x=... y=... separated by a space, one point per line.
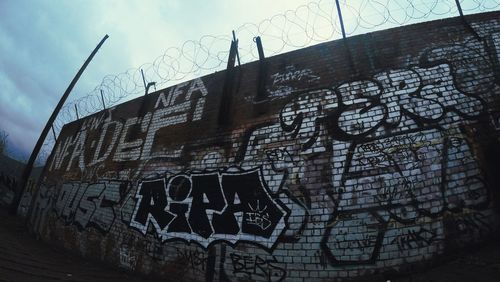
x=43 y=43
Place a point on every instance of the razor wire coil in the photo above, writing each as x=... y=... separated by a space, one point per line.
x=312 y=23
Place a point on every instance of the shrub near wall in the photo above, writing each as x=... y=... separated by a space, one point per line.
x=346 y=169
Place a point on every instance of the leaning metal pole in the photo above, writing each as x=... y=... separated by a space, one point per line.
x=29 y=166
x=339 y=12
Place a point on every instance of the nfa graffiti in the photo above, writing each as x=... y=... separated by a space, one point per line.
x=205 y=207
x=183 y=103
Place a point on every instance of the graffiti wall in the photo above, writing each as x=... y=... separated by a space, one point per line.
x=346 y=167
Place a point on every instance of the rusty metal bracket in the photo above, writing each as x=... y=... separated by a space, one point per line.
x=344 y=37
x=237 y=52
x=261 y=81
x=76 y=111
x=466 y=23
x=148 y=85
x=227 y=91
x=102 y=99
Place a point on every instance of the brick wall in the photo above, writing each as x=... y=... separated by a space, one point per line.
x=375 y=161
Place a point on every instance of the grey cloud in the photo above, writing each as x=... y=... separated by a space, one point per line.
x=43 y=43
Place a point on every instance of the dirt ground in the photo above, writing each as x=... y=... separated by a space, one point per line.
x=23 y=258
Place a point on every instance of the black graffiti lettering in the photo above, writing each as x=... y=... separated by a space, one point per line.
x=277 y=156
x=366 y=241
x=472 y=223
x=180 y=222
x=412 y=239
x=261 y=266
x=320 y=257
x=152 y=204
x=206 y=195
x=195 y=259
x=237 y=197
x=179 y=189
x=104 y=214
x=260 y=215
x=156 y=252
x=238 y=265
x=89 y=205
x=209 y=206
x=66 y=201
x=257 y=266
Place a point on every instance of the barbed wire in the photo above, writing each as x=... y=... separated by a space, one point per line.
x=312 y=23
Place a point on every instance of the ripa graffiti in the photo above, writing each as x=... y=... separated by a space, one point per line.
x=209 y=206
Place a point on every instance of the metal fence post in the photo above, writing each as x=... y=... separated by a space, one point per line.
x=339 y=12
x=53 y=133
x=344 y=37
x=227 y=91
x=76 y=111
x=261 y=82
x=102 y=99
x=29 y=166
x=466 y=23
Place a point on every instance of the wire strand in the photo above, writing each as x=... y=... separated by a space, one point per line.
x=308 y=24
